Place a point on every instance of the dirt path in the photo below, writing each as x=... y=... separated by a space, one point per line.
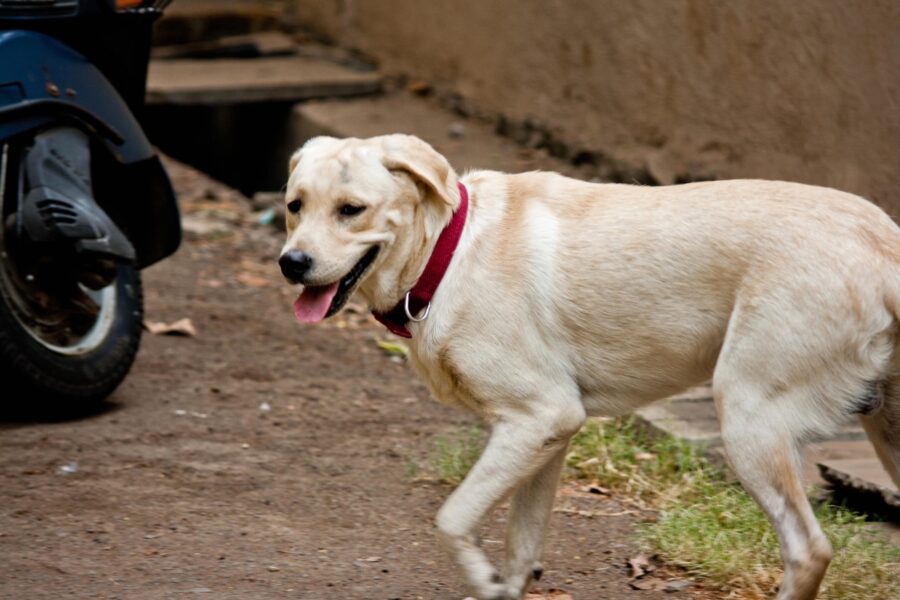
x=184 y=485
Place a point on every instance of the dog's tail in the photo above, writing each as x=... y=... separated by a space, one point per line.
x=883 y=426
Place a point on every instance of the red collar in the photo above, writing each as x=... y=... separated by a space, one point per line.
x=419 y=297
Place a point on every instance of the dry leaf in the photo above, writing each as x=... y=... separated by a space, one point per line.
x=393 y=348
x=595 y=489
x=198 y=226
x=179 y=327
x=251 y=280
x=258 y=267
x=640 y=566
x=419 y=87
x=551 y=594
x=649 y=583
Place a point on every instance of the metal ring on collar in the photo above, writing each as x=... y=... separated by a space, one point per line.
x=409 y=315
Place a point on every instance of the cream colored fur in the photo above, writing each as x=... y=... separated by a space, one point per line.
x=567 y=299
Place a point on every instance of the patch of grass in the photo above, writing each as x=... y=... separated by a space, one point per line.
x=865 y=565
x=705 y=523
x=454 y=458
x=624 y=457
x=723 y=536
x=712 y=528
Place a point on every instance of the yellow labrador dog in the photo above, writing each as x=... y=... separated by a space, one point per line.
x=550 y=300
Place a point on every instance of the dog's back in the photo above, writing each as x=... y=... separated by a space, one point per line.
x=653 y=280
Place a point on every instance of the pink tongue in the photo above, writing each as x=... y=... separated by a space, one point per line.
x=312 y=305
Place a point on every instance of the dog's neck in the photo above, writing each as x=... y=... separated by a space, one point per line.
x=427 y=257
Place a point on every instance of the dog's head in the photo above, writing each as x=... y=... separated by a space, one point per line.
x=360 y=215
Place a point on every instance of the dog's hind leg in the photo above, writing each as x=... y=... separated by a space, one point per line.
x=529 y=514
x=799 y=357
x=520 y=447
x=765 y=457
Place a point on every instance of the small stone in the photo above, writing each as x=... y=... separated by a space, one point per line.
x=69 y=468
x=678 y=585
x=273 y=568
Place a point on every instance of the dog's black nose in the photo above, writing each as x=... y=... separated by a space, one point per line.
x=295 y=265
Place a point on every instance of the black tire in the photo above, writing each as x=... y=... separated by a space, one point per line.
x=34 y=372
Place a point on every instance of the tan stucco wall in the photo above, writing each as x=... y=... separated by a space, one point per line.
x=806 y=90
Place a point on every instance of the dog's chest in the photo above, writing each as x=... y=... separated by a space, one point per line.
x=448 y=380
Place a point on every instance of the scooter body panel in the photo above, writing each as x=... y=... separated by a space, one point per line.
x=43 y=84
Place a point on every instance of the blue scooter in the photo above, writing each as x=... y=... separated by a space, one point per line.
x=85 y=203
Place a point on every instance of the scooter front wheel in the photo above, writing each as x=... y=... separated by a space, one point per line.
x=50 y=354
x=69 y=330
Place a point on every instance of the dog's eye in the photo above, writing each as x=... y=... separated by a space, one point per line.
x=349 y=210
x=294 y=206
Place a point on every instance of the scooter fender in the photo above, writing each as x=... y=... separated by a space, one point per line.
x=43 y=82
x=42 y=79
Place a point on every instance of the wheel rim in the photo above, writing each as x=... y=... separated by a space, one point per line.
x=48 y=329
x=92 y=339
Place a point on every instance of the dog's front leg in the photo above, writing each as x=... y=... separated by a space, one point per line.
x=518 y=449
x=529 y=515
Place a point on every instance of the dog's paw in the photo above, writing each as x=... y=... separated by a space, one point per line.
x=497 y=589
x=505 y=594
x=520 y=578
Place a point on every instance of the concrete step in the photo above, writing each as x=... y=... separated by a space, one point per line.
x=692 y=416
x=467 y=143
x=267 y=79
x=248 y=45
x=689 y=416
x=846 y=461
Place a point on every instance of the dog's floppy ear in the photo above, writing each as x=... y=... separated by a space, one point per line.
x=425 y=164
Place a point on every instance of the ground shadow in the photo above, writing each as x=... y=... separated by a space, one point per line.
x=24 y=412
x=867 y=502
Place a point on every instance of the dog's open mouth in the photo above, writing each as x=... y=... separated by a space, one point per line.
x=319 y=302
